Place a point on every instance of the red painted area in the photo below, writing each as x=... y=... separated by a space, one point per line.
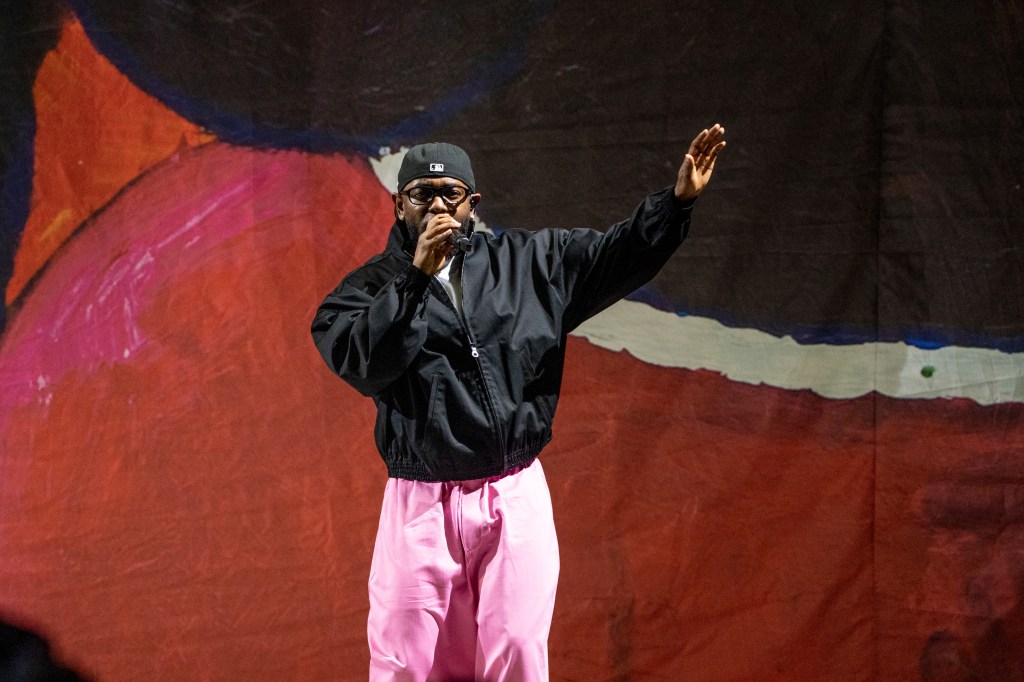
x=950 y=540
x=95 y=133
x=711 y=530
x=718 y=531
x=187 y=491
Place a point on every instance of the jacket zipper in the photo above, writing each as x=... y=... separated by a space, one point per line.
x=475 y=353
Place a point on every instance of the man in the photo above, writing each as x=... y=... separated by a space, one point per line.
x=459 y=338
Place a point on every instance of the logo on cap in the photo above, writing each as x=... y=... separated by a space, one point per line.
x=437 y=168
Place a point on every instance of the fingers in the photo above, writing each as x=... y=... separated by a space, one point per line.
x=438 y=245
x=706 y=140
x=706 y=146
x=437 y=235
x=435 y=243
x=708 y=163
x=432 y=250
x=440 y=228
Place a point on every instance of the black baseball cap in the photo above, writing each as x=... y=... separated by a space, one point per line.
x=436 y=160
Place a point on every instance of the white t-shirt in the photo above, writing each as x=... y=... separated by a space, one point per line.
x=452 y=283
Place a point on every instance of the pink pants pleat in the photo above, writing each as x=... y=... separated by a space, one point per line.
x=462 y=583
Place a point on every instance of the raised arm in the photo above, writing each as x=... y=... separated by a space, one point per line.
x=601 y=268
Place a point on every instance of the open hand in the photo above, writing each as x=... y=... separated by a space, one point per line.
x=699 y=162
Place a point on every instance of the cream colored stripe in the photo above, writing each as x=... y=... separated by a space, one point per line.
x=754 y=357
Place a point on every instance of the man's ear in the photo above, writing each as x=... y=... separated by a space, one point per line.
x=474 y=199
x=399 y=206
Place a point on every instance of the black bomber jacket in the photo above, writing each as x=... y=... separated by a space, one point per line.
x=459 y=400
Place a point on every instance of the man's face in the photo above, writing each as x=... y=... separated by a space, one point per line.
x=416 y=216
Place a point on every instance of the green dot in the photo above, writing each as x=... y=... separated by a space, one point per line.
x=927 y=371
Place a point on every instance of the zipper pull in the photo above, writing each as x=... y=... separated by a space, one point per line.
x=475 y=353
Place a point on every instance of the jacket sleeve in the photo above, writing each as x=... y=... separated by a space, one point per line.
x=368 y=334
x=598 y=268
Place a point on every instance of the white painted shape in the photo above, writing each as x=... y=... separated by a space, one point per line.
x=753 y=357
x=386 y=167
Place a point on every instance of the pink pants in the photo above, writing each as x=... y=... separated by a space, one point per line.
x=462 y=584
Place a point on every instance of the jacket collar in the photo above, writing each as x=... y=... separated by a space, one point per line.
x=400 y=241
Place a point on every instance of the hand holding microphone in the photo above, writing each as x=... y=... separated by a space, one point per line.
x=435 y=243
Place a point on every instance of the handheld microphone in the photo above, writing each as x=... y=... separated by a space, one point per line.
x=461 y=242
x=460 y=237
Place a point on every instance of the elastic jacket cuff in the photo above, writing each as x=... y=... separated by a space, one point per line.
x=676 y=209
x=414 y=280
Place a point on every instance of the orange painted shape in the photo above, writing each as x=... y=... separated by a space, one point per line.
x=95 y=133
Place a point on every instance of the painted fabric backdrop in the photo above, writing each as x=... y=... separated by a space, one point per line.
x=798 y=454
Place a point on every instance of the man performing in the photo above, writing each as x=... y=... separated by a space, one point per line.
x=460 y=339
